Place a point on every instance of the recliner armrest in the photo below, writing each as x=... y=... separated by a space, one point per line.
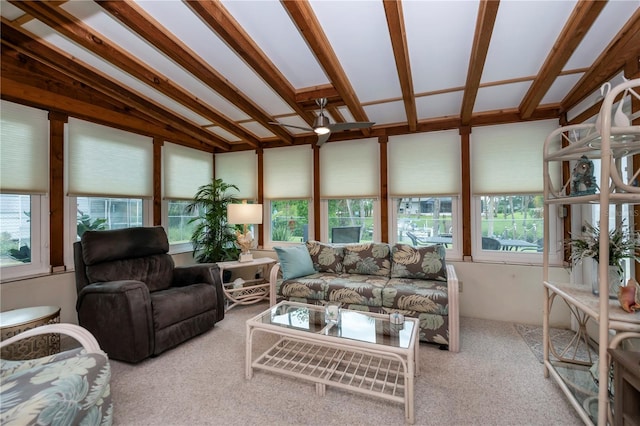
x=119 y=315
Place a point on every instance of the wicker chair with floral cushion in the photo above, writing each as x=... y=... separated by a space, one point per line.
x=68 y=388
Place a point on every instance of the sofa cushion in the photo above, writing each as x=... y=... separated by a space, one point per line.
x=410 y=294
x=326 y=257
x=295 y=261
x=427 y=263
x=363 y=290
x=367 y=259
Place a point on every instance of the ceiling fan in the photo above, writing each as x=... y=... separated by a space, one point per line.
x=323 y=127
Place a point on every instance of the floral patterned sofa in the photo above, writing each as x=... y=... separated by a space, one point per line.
x=376 y=277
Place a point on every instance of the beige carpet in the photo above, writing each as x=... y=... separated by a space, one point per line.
x=494 y=380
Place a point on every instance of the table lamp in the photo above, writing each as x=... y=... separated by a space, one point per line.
x=244 y=214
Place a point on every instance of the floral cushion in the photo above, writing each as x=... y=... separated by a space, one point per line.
x=71 y=387
x=326 y=257
x=367 y=259
x=427 y=263
x=411 y=294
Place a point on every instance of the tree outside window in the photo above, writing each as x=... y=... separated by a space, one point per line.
x=290 y=220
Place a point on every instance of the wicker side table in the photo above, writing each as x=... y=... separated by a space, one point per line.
x=18 y=320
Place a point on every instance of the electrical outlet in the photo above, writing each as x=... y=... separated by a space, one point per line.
x=460 y=286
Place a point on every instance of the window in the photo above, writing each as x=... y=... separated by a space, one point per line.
x=185 y=170
x=23 y=235
x=289 y=221
x=514 y=221
x=287 y=191
x=109 y=178
x=424 y=183
x=24 y=183
x=351 y=220
x=508 y=201
x=98 y=213
x=349 y=188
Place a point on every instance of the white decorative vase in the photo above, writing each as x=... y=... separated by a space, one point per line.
x=615 y=279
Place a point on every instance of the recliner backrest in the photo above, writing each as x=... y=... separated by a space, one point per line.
x=125 y=254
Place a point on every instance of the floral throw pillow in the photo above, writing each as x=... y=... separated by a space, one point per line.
x=427 y=263
x=326 y=257
x=367 y=259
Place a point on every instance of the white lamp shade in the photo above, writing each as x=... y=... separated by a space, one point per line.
x=241 y=214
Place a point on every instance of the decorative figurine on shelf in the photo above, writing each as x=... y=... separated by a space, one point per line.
x=582 y=179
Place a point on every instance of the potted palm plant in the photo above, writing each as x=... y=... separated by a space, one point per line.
x=622 y=245
x=213 y=238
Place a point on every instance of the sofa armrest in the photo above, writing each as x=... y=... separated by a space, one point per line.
x=208 y=273
x=119 y=315
x=454 y=309
x=80 y=334
x=273 y=278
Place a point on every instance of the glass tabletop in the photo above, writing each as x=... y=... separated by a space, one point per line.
x=353 y=325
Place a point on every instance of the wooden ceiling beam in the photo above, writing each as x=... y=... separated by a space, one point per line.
x=140 y=22
x=224 y=24
x=19 y=92
x=582 y=18
x=308 y=95
x=19 y=40
x=80 y=33
x=487 y=12
x=303 y=17
x=624 y=46
x=395 y=22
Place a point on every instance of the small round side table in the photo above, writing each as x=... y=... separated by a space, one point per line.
x=18 y=320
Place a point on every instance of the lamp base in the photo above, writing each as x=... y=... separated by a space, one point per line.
x=245 y=257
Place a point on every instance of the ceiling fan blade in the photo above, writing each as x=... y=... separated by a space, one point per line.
x=275 y=123
x=336 y=127
x=322 y=139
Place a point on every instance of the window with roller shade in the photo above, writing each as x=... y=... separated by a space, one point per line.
x=24 y=184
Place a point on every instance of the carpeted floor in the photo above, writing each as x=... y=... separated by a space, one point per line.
x=493 y=380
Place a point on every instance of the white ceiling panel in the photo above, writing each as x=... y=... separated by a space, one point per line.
x=500 y=96
x=228 y=136
x=257 y=129
x=523 y=35
x=47 y=34
x=386 y=113
x=363 y=46
x=440 y=37
x=614 y=15
x=280 y=40
x=294 y=120
x=9 y=11
x=102 y=22
x=593 y=98
x=560 y=88
x=185 y=25
x=440 y=105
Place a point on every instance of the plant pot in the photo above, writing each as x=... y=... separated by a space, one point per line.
x=615 y=279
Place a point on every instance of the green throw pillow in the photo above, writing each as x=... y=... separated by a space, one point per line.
x=295 y=261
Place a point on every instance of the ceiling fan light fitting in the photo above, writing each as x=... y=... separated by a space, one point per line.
x=321 y=130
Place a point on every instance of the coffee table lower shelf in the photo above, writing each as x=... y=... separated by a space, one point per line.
x=370 y=372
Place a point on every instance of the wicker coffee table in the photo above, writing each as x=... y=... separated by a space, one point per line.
x=364 y=352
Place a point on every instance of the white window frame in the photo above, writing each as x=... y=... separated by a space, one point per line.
x=71 y=219
x=266 y=225
x=174 y=248
x=324 y=218
x=556 y=247
x=39 y=264
x=453 y=253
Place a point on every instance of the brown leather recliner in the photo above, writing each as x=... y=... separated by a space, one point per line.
x=133 y=298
